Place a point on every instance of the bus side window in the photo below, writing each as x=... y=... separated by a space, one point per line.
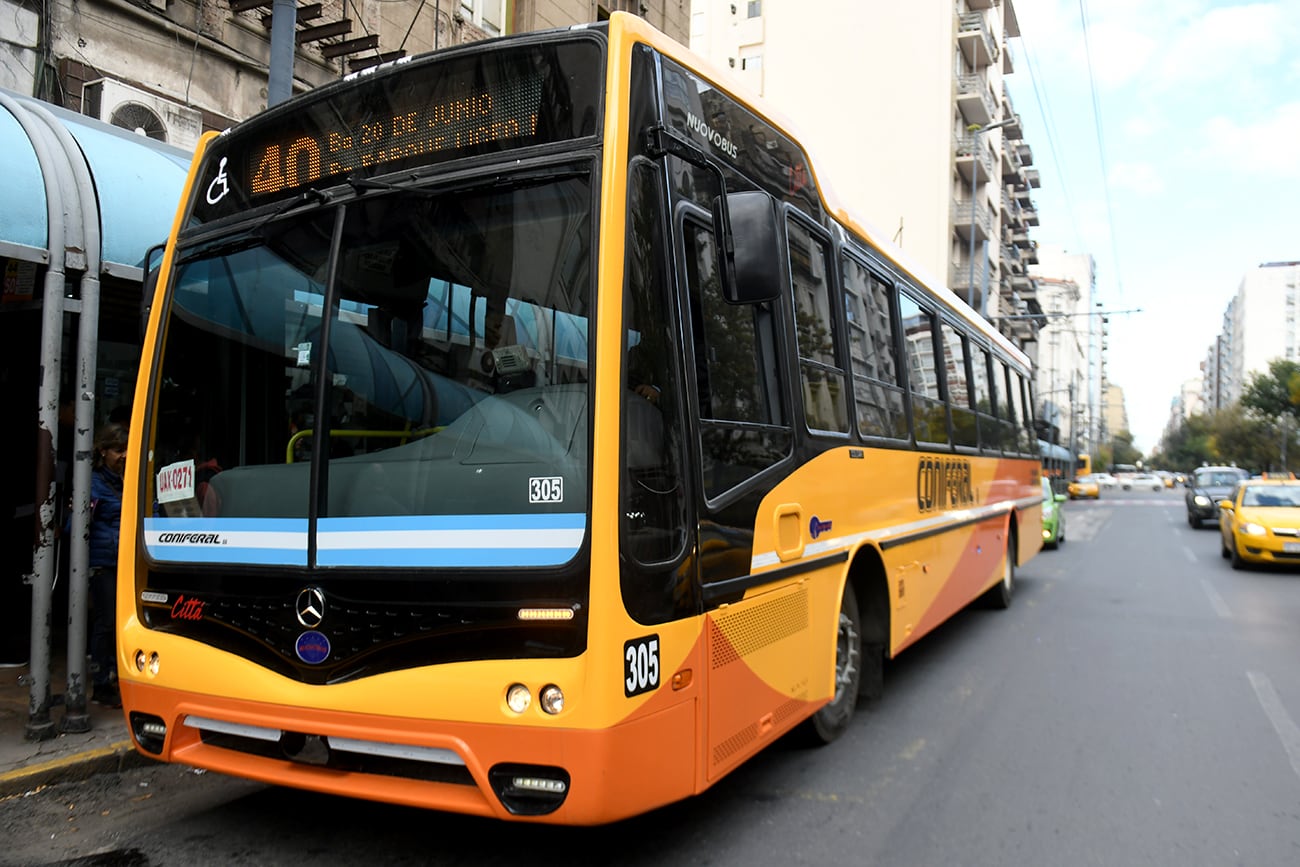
x=743 y=426
x=825 y=403
x=872 y=353
x=964 y=430
x=929 y=412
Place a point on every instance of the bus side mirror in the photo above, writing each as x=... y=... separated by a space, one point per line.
x=755 y=248
x=149 y=286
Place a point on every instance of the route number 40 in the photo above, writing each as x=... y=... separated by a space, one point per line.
x=640 y=665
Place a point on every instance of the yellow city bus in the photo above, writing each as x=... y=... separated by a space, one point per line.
x=526 y=431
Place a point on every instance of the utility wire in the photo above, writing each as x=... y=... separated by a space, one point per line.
x=1049 y=127
x=1101 y=150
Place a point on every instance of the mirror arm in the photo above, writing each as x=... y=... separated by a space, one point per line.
x=661 y=142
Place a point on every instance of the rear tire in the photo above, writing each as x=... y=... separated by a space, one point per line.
x=833 y=719
x=999 y=595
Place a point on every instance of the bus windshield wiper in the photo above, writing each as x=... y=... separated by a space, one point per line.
x=253 y=235
x=363 y=184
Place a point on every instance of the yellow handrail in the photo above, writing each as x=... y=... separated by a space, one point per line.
x=394 y=434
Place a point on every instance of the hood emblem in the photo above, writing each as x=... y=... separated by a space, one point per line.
x=310 y=607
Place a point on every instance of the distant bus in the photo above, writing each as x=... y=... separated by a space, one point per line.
x=1058 y=464
x=1083 y=465
x=525 y=430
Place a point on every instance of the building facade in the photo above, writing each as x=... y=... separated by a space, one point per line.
x=172 y=69
x=907 y=107
x=1068 y=351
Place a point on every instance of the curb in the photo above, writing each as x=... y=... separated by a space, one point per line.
x=110 y=759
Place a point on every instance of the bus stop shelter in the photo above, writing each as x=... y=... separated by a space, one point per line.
x=81 y=204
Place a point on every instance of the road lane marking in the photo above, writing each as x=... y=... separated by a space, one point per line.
x=1216 y=601
x=1286 y=729
x=1187 y=552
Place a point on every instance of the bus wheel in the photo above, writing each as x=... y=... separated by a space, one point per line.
x=833 y=719
x=999 y=595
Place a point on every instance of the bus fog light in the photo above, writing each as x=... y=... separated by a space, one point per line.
x=552 y=699
x=518 y=698
x=140 y=661
x=153 y=663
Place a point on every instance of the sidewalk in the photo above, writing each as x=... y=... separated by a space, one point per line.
x=26 y=765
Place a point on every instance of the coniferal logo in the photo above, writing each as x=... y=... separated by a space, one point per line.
x=190 y=539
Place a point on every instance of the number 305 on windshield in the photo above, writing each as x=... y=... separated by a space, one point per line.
x=640 y=665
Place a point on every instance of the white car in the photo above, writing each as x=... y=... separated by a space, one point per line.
x=1144 y=482
x=1105 y=480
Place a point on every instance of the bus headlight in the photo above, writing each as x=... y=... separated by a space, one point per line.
x=551 y=699
x=146 y=662
x=518 y=698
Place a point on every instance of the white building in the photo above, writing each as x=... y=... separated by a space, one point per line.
x=1068 y=380
x=886 y=94
x=1263 y=322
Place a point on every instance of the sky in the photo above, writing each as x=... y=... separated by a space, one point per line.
x=1168 y=142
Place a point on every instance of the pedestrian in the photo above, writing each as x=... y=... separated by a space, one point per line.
x=105 y=529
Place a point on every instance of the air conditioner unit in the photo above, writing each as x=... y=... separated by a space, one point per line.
x=142 y=112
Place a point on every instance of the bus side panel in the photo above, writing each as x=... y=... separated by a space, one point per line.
x=761 y=656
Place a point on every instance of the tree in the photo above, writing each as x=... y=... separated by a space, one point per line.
x=1124 y=450
x=1274 y=398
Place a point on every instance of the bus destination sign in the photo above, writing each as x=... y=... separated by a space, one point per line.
x=508 y=112
x=414 y=114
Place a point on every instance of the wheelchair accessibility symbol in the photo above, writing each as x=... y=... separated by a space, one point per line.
x=220 y=186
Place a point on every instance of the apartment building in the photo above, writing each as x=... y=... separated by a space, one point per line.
x=1067 y=354
x=172 y=69
x=907 y=110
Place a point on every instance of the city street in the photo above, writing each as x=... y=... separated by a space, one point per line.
x=1137 y=704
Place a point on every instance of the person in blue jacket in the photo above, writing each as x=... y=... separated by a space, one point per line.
x=105 y=528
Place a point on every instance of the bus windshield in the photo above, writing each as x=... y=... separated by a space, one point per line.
x=400 y=380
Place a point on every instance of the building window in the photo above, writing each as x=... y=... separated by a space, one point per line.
x=755 y=9
x=490 y=15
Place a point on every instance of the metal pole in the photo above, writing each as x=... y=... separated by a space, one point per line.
x=39 y=726
x=284 y=23
x=75 y=718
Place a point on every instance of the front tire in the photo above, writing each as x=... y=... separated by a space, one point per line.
x=833 y=719
x=1235 y=557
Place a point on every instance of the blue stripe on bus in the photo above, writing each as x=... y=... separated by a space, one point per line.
x=445 y=557
x=228 y=554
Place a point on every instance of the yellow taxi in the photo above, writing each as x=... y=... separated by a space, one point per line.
x=1261 y=522
x=1083 y=487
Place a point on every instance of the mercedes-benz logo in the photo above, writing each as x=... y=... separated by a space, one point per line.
x=310 y=607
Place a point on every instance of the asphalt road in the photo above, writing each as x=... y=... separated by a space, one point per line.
x=1136 y=705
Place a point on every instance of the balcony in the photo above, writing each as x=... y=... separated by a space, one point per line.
x=1008 y=66
x=1032 y=178
x=973 y=158
x=1011 y=165
x=1020 y=237
x=1011 y=212
x=1030 y=215
x=1031 y=253
x=961 y=285
x=974 y=99
x=975 y=41
x=979 y=4
x=1025 y=153
x=964 y=222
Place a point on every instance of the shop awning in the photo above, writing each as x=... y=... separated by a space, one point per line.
x=137 y=183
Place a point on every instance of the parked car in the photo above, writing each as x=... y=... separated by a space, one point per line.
x=1053 y=516
x=1084 y=486
x=1260 y=523
x=1206 y=487
x=1144 y=482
